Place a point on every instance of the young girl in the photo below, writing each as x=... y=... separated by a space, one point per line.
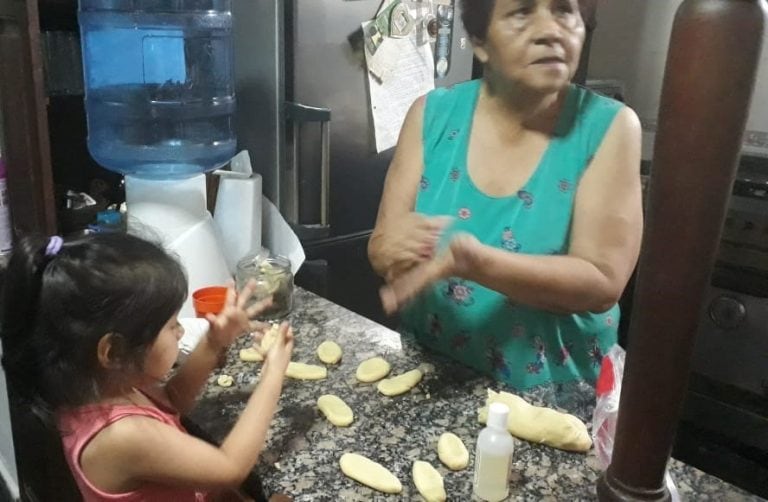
x=90 y=333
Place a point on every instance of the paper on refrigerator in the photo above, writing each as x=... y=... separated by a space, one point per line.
x=399 y=72
x=278 y=236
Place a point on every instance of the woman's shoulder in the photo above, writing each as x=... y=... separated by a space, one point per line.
x=455 y=92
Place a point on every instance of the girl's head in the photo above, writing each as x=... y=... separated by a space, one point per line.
x=532 y=43
x=87 y=314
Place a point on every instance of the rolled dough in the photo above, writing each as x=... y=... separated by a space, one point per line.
x=335 y=410
x=372 y=369
x=301 y=371
x=329 y=352
x=369 y=473
x=400 y=384
x=452 y=452
x=225 y=380
x=428 y=481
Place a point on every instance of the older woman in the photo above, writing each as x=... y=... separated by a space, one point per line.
x=532 y=184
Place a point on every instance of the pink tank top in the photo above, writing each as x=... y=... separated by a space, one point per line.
x=78 y=426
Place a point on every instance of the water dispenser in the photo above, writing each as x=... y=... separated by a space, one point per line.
x=160 y=104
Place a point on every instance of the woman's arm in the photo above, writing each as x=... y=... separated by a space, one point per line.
x=605 y=241
x=402 y=238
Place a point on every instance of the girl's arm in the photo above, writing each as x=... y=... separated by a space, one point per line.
x=605 y=242
x=141 y=449
x=185 y=386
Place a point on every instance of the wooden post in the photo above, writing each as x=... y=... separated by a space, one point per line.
x=710 y=74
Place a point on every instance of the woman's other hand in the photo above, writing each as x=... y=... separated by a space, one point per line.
x=460 y=259
x=412 y=240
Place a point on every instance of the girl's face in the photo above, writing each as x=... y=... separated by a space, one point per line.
x=533 y=43
x=163 y=352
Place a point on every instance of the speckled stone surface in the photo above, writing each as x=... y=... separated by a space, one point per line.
x=303 y=448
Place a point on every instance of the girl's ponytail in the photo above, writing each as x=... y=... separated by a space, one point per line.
x=20 y=302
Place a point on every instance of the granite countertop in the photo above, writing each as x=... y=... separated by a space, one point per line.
x=303 y=448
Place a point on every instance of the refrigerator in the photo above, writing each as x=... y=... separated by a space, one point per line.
x=304 y=116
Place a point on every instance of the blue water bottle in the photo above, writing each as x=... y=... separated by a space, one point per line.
x=159 y=85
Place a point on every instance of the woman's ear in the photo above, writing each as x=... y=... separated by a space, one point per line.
x=478 y=47
x=105 y=352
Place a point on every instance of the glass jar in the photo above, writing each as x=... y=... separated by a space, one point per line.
x=273 y=277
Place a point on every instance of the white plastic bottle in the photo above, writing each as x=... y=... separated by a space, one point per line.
x=493 y=456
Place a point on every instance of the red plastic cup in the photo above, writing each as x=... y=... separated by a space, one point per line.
x=209 y=300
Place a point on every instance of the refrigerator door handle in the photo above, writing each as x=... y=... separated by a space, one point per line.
x=299 y=114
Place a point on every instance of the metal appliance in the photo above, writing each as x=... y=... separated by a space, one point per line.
x=303 y=114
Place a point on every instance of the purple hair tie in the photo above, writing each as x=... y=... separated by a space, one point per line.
x=54 y=245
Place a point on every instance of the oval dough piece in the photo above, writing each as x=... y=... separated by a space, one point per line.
x=335 y=410
x=372 y=369
x=369 y=473
x=301 y=371
x=225 y=381
x=329 y=352
x=428 y=481
x=251 y=355
x=400 y=384
x=452 y=452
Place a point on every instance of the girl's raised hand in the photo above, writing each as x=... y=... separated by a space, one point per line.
x=234 y=319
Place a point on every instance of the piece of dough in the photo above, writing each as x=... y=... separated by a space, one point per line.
x=301 y=371
x=452 y=452
x=251 y=355
x=400 y=384
x=269 y=338
x=372 y=369
x=369 y=473
x=428 y=481
x=329 y=352
x=335 y=410
x=540 y=425
x=225 y=380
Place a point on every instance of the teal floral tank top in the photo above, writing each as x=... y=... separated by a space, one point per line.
x=474 y=325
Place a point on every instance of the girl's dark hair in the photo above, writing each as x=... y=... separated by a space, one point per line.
x=56 y=308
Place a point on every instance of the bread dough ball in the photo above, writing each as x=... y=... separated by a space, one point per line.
x=428 y=481
x=538 y=424
x=372 y=369
x=335 y=410
x=452 y=452
x=400 y=384
x=369 y=473
x=301 y=371
x=225 y=381
x=251 y=355
x=329 y=352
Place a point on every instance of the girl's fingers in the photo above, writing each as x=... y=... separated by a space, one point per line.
x=258 y=307
x=246 y=293
x=259 y=326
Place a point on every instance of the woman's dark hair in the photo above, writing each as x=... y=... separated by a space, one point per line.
x=476 y=16
x=56 y=309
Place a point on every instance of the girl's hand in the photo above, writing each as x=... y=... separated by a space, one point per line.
x=459 y=260
x=279 y=354
x=235 y=318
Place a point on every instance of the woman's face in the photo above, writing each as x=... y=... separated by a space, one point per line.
x=533 y=43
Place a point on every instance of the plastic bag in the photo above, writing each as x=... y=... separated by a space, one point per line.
x=604 y=418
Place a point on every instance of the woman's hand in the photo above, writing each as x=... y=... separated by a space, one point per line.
x=234 y=319
x=409 y=241
x=460 y=259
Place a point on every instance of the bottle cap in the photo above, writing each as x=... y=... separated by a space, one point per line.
x=497 y=416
